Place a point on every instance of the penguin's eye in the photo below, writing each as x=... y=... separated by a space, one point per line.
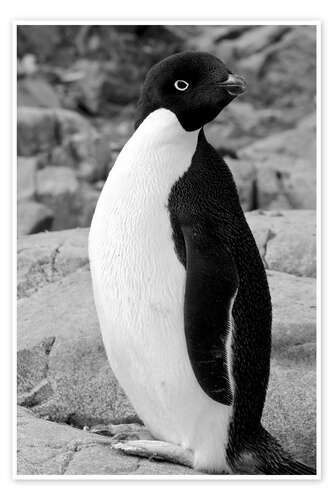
x=181 y=85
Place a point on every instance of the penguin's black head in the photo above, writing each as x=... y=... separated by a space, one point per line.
x=195 y=86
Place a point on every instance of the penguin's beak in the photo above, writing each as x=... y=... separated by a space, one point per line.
x=235 y=85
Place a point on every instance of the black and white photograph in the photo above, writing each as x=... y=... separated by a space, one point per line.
x=167 y=195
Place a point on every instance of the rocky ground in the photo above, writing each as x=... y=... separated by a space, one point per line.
x=65 y=382
x=77 y=89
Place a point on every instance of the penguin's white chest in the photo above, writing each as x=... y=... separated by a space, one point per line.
x=139 y=287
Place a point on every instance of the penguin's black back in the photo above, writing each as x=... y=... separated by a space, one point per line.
x=205 y=202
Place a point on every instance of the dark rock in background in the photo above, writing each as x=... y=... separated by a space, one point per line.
x=62 y=137
x=61 y=156
x=96 y=73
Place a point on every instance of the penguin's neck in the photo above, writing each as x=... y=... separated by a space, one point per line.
x=158 y=153
x=162 y=130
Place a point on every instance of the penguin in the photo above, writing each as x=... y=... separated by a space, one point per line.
x=179 y=285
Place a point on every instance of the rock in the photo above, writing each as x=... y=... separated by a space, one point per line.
x=88 y=88
x=286 y=240
x=279 y=62
x=208 y=40
x=39 y=393
x=46 y=448
x=33 y=365
x=244 y=174
x=285 y=164
x=33 y=217
x=36 y=92
x=59 y=189
x=72 y=202
x=112 y=92
x=86 y=391
x=257 y=39
x=47 y=257
x=26 y=178
x=119 y=129
x=246 y=43
x=36 y=131
x=63 y=137
x=288 y=71
x=294 y=143
x=290 y=409
x=241 y=123
x=88 y=201
x=294 y=311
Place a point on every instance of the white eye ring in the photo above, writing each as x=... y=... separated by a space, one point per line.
x=181 y=85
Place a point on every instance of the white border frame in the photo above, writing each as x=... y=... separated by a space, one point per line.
x=319 y=282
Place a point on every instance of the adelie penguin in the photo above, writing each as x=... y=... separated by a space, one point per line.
x=180 y=289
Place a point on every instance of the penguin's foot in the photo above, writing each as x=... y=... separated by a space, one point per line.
x=156 y=450
x=122 y=432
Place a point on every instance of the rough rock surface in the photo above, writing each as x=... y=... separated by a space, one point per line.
x=45 y=447
x=286 y=240
x=46 y=257
x=85 y=390
x=64 y=376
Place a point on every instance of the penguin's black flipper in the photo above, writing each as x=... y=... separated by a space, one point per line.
x=211 y=285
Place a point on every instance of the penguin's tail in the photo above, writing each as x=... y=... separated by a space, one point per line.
x=264 y=455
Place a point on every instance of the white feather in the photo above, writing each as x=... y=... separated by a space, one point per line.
x=139 y=287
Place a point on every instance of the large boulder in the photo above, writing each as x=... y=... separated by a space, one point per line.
x=85 y=391
x=286 y=240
